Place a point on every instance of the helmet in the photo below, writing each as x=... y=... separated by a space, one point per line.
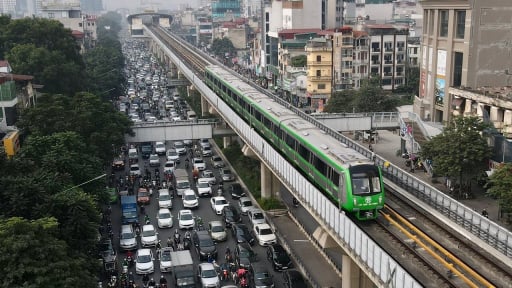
x=151 y=279
x=162 y=276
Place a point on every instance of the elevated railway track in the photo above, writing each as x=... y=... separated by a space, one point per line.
x=425 y=246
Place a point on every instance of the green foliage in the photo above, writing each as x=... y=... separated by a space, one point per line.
x=223 y=46
x=247 y=168
x=45 y=49
x=112 y=20
x=299 y=61
x=461 y=151
x=32 y=255
x=500 y=182
x=270 y=203
x=97 y=122
x=369 y=98
x=412 y=81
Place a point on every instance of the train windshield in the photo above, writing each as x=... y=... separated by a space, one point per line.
x=366 y=181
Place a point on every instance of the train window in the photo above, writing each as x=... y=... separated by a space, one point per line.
x=290 y=141
x=277 y=130
x=320 y=165
x=257 y=114
x=375 y=184
x=304 y=152
x=267 y=122
x=333 y=175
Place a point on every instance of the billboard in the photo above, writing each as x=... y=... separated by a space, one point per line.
x=441 y=63
x=440 y=86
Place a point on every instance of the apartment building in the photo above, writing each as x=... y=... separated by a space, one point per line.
x=319 y=77
x=360 y=61
x=388 y=48
x=413 y=51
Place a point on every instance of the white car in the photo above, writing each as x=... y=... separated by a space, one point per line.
x=154 y=160
x=208 y=275
x=169 y=104
x=169 y=167
x=218 y=203
x=135 y=170
x=199 y=164
x=245 y=204
x=164 y=199
x=172 y=155
x=203 y=187
x=264 y=234
x=180 y=148
x=160 y=148
x=149 y=236
x=186 y=219
x=208 y=174
x=164 y=218
x=256 y=216
x=204 y=142
x=165 y=260
x=127 y=240
x=144 y=262
x=207 y=151
x=190 y=199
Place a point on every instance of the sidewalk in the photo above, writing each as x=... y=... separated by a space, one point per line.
x=387 y=146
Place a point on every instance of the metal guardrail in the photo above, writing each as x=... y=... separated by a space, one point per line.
x=160 y=123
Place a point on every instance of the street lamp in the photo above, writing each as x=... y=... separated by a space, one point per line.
x=88 y=181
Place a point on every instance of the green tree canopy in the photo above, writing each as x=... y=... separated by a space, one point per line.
x=97 y=122
x=369 y=98
x=461 y=152
x=299 y=61
x=32 y=255
x=223 y=46
x=500 y=182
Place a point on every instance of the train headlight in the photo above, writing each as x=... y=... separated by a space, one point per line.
x=380 y=199
x=355 y=202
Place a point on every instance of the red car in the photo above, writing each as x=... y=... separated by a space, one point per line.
x=143 y=196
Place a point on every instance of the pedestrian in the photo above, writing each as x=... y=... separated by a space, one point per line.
x=370 y=147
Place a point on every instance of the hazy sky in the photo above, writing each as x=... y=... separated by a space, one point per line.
x=140 y=4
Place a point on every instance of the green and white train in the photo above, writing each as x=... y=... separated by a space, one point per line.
x=345 y=176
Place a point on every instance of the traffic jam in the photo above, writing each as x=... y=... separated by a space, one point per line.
x=178 y=215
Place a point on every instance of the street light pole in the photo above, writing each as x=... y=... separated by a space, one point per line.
x=88 y=181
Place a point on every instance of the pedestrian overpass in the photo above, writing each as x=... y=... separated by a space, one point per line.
x=177 y=130
x=137 y=21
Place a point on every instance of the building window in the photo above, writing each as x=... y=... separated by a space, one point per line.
x=51 y=15
x=443 y=23
x=318 y=73
x=431 y=23
x=321 y=86
x=457 y=69
x=80 y=24
x=318 y=58
x=461 y=24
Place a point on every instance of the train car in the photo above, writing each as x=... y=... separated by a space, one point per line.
x=348 y=178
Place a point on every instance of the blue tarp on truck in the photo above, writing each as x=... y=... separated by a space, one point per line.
x=129 y=209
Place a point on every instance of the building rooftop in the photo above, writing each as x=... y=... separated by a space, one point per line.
x=4 y=77
x=498 y=92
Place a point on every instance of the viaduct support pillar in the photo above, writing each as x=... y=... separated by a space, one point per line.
x=173 y=70
x=269 y=183
x=226 y=141
x=205 y=106
x=352 y=276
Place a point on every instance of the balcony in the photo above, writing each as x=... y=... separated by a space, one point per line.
x=361 y=47
x=375 y=62
x=388 y=50
x=375 y=50
x=399 y=74
x=388 y=62
x=400 y=49
x=387 y=74
x=319 y=78
x=291 y=69
x=320 y=63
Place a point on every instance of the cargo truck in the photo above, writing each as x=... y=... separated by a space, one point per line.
x=129 y=209
x=183 y=269
x=182 y=181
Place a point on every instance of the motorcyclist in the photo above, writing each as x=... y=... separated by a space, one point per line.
x=295 y=202
x=152 y=283
x=485 y=213
x=158 y=248
x=146 y=219
x=163 y=281
x=145 y=279
x=186 y=163
x=170 y=243
x=177 y=237
x=240 y=273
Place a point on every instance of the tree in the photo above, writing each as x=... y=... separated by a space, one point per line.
x=78 y=219
x=299 y=61
x=222 y=47
x=460 y=152
x=499 y=187
x=372 y=98
x=101 y=127
x=342 y=102
x=31 y=255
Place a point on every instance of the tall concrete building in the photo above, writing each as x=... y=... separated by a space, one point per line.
x=7 y=7
x=466 y=44
x=319 y=77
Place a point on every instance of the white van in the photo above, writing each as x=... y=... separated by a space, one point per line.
x=133 y=156
x=191 y=115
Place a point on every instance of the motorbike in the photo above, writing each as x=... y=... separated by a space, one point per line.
x=187 y=241
x=147 y=220
x=112 y=282
x=177 y=238
x=295 y=202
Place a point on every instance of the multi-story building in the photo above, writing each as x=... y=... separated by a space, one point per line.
x=465 y=45
x=319 y=77
x=226 y=9
x=8 y=7
x=388 y=48
x=70 y=15
x=342 y=57
x=413 y=51
x=360 y=62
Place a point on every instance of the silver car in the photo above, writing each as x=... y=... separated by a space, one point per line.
x=217 y=231
x=227 y=175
